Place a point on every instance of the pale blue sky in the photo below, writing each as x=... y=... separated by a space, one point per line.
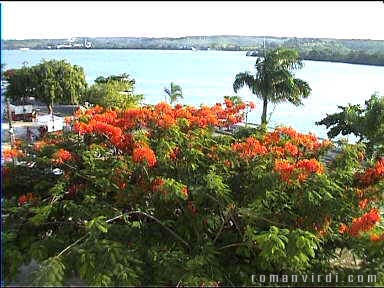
x=60 y=19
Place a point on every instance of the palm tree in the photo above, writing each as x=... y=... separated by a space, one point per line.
x=274 y=80
x=173 y=93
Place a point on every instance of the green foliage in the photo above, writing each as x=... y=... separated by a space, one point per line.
x=51 y=81
x=113 y=93
x=105 y=263
x=366 y=122
x=282 y=250
x=50 y=273
x=274 y=80
x=174 y=92
x=216 y=185
x=124 y=78
x=20 y=84
x=97 y=224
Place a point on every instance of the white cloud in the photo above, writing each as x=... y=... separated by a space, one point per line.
x=25 y=20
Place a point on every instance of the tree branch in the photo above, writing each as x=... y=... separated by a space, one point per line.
x=153 y=218
x=231 y=245
x=73 y=244
x=118 y=217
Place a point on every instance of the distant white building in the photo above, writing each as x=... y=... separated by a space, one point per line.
x=52 y=122
x=87 y=44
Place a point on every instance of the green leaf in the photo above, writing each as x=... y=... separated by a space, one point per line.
x=50 y=273
x=99 y=224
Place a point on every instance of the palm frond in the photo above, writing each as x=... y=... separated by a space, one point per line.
x=166 y=90
x=244 y=79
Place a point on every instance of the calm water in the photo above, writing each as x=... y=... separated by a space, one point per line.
x=207 y=76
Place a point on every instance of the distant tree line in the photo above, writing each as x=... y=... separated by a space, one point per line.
x=356 y=51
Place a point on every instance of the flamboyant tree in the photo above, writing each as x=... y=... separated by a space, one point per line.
x=153 y=196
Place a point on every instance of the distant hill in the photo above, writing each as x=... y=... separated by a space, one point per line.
x=357 y=51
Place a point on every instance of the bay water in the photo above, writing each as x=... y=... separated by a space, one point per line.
x=207 y=76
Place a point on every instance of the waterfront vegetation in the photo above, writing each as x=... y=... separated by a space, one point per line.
x=366 y=123
x=356 y=51
x=274 y=80
x=51 y=82
x=115 y=91
x=153 y=195
x=58 y=82
x=174 y=92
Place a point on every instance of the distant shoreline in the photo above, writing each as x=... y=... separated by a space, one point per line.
x=352 y=51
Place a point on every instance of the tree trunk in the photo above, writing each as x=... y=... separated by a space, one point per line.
x=50 y=109
x=264 y=115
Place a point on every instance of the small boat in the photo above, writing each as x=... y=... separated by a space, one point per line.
x=193 y=48
x=24 y=49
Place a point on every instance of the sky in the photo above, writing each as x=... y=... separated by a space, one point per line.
x=66 y=19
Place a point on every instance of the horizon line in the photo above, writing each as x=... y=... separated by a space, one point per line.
x=179 y=37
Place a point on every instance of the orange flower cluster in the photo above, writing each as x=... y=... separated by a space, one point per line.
x=12 y=153
x=302 y=169
x=288 y=147
x=38 y=145
x=99 y=125
x=23 y=199
x=285 y=169
x=365 y=222
x=61 y=156
x=163 y=115
x=142 y=154
x=308 y=141
x=91 y=111
x=363 y=203
x=373 y=174
x=343 y=228
x=291 y=149
x=117 y=125
x=250 y=148
x=362 y=224
x=375 y=238
x=310 y=166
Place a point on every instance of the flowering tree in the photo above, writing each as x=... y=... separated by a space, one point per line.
x=153 y=196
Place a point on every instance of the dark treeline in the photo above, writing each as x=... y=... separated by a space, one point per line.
x=356 y=51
